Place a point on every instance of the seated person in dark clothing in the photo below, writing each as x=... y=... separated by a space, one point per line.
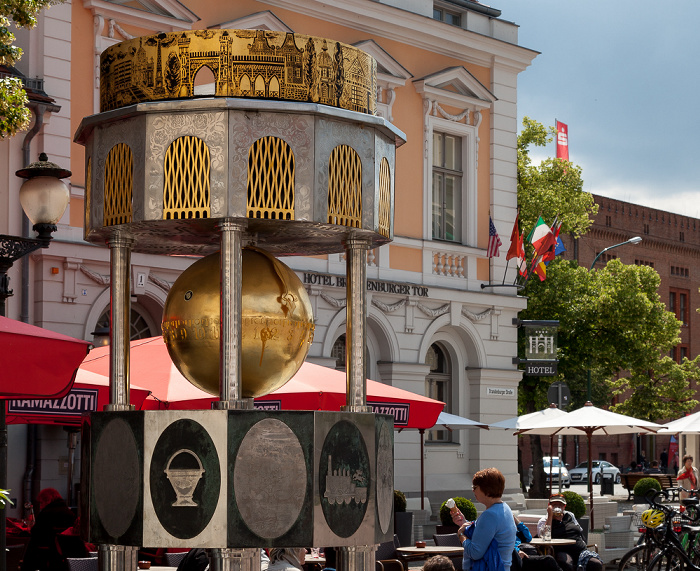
x=654 y=468
x=525 y=556
x=564 y=526
x=54 y=517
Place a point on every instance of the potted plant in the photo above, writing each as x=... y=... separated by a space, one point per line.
x=643 y=487
x=465 y=506
x=577 y=506
x=403 y=520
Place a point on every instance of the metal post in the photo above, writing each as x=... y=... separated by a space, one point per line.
x=356 y=558
x=120 y=246
x=232 y=559
x=356 y=324
x=231 y=310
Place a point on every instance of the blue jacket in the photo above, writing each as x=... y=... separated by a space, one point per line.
x=491 y=561
x=493 y=532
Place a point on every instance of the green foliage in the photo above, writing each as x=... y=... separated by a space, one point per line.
x=5 y=499
x=575 y=504
x=643 y=486
x=14 y=115
x=465 y=506
x=399 y=501
x=552 y=188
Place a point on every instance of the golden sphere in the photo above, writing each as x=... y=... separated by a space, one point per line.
x=276 y=321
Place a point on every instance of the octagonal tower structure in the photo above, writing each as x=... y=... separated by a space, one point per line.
x=282 y=152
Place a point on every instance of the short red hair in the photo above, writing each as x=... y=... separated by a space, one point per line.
x=46 y=496
x=491 y=481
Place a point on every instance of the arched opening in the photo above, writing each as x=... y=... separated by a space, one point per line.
x=438 y=385
x=204 y=81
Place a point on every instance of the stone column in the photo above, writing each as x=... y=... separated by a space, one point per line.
x=120 y=245
x=356 y=324
x=230 y=337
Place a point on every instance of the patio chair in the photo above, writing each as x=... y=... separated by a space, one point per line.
x=173 y=559
x=387 y=558
x=452 y=540
x=82 y=563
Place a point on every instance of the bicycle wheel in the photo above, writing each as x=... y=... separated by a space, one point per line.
x=637 y=559
x=669 y=559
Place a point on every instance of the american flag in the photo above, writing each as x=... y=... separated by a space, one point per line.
x=494 y=241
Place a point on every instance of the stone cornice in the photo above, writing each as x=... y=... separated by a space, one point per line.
x=412 y=29
x=649 y=242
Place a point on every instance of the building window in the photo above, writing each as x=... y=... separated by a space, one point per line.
x=608 y=220
x=338 y=353
x=644 y=263
x=138 y=328
x=680 y=271
x=678 y=304
x=448 y=17
x=438 y=385
x=681 y=236
x=646 y=228
x=447 y=187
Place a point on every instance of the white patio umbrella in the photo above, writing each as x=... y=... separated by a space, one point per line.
x=687 y=424
x=450 y=422
x=590 y=420
x=531 y=420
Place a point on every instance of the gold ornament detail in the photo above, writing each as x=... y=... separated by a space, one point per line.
x=276 y=320
x=244 y=63
x=119 y=185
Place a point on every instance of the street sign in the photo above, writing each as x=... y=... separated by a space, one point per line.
x=560 y=394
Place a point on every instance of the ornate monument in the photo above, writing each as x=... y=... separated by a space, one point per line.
x=280 y=154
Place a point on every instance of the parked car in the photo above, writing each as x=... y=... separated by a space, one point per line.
x=558 y=470
x=598 y=467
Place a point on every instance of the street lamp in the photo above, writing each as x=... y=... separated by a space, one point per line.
x=44 y=198
x=635 y=240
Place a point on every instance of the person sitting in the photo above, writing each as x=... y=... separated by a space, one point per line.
x=653 y=469
x=439 y=563
x=488 y=542
x=563 y=525
x=525 y=556
x=286 y=558
x=54 y=517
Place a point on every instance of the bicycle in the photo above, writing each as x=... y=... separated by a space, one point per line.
x=652 y=538
x=670 y=553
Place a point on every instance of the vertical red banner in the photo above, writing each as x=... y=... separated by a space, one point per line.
x=562 y=141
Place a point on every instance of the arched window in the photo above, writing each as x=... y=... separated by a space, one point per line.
x=438 y=385
x=338 y=353
x=138 y=326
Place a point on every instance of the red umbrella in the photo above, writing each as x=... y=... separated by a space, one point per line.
x=36 y=361
x=313 y=388
x=89 y=393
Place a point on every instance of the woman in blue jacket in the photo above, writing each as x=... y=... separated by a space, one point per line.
x=489 y=541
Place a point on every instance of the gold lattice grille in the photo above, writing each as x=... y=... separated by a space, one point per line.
x=119 y=177
x=384 y=206
x=271 y=180
x=345 y=187
x=88 y=192
x=187 y=189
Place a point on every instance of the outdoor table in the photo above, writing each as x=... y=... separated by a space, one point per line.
x=311 y=562
x=547 y=547
x=411 y=553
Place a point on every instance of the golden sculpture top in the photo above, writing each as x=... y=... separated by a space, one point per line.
x=244 y=63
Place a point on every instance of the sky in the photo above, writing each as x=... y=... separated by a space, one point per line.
x=625 y=77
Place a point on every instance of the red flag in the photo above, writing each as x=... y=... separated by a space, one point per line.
x=514 y=238
x=562 y=141
x=550 y=250
x=522 y=263
x=539 y=268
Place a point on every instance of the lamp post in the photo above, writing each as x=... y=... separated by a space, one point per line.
x=635 y=240
x=44 y=199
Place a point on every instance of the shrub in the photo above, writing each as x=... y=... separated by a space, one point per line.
x=645 y=485
x=575 y=504
x=399 y=501
x=465 y=506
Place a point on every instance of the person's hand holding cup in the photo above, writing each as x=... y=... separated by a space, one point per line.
x=457 y=516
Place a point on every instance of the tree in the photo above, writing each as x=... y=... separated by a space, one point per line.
x=612 y=323
x=14 y=114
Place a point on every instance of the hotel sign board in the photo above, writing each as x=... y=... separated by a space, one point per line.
x=540 y=347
